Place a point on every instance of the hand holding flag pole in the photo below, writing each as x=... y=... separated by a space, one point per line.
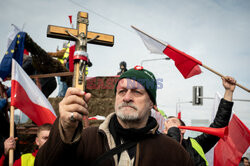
x=186 y=64
x=27 y=97
x=11 y=152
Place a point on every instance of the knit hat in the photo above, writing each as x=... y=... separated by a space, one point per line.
x=144 y=77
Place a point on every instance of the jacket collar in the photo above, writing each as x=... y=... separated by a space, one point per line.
x=105 y=125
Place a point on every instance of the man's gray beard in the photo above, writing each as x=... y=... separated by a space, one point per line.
x=133 y=116
x=126 y=117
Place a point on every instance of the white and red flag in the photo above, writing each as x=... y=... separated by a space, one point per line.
x=27 y=97
x=186 y=64
x=70 y=21
x=97 y=117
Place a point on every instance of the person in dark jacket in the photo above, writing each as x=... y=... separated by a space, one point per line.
x=123 y=67
x=127 y=137
x=198 y=146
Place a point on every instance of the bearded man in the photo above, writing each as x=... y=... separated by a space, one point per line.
x=127 y=137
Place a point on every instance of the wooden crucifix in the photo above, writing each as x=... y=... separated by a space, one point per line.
x=82 y=36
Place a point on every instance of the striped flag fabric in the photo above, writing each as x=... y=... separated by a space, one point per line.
x=97 y=117
x=186 y=64
x=27 y=97
x=70 y=21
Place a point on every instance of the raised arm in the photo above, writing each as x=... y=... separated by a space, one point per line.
x=222 y=117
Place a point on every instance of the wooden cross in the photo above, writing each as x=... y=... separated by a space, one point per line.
x=82 y=36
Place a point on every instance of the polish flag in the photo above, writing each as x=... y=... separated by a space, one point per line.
x=27 y=97
x=179 y=115
x=186 y=64
x=97 y=117
x=70 y=21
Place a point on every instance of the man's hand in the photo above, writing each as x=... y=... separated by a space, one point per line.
x=229 y=84
x=9 y=143
x=72 y=108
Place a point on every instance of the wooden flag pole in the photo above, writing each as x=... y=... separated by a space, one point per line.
x=219 y=74
x=149 y=36
x=11 y=152
x=208 y=68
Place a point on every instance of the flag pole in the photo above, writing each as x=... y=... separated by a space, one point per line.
x=149 y=36
x=219 y=74
x=11 y=152
x=208 y=68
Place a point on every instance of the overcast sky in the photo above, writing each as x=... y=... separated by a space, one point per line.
x=215 y=32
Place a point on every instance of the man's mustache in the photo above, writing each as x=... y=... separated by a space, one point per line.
x=126 y=105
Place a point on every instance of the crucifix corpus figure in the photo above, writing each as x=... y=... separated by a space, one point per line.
x=81 y=36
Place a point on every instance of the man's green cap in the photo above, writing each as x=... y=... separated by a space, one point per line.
x=144 y=77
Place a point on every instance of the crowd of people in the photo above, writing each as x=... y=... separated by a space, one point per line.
x=26 y=159
x=129 y=136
